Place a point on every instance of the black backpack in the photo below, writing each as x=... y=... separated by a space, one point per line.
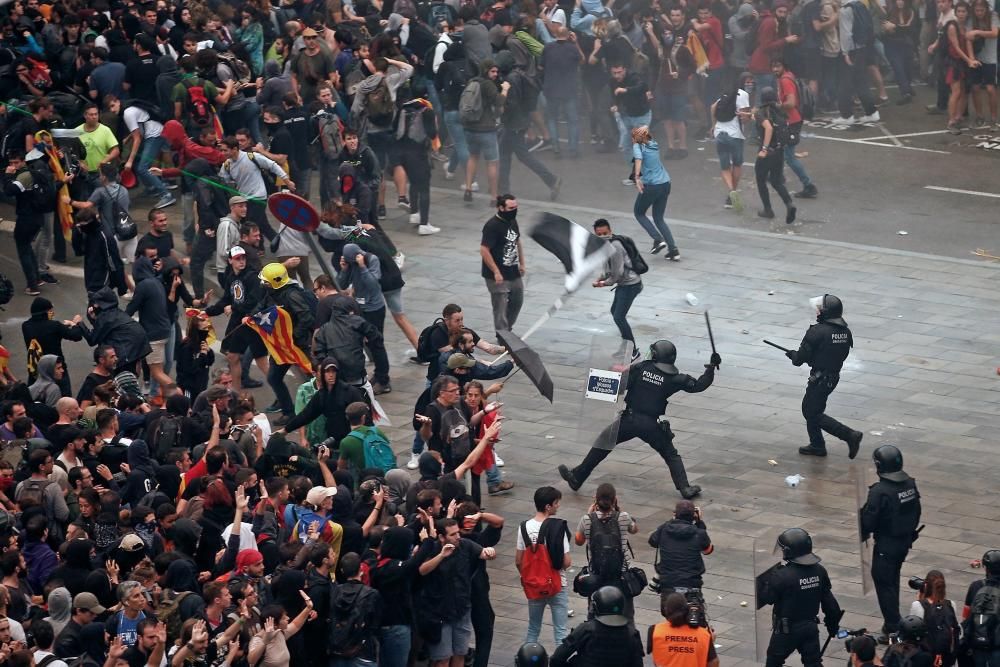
x=781 y=136
x=984 y=618
x=942 y=627
x=605 y=556
x=635 y=260
x=168 y=436
x=43 y=191
x=349 y=623
x=725 y=109
x=6 y=290
x=425 y=351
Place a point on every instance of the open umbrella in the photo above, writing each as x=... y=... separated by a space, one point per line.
x=528 y=361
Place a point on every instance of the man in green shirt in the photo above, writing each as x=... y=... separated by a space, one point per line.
x=352 y=448
x=100 y=142
x=191 y=95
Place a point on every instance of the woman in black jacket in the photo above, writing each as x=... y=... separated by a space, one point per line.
x=194 y=357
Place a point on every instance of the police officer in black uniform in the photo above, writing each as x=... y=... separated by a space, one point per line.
x=891 y=513
x=603 y=640
x=650 y=384
x=911 y=649
x=824 y=348
x=797 y=590
x=680 y=544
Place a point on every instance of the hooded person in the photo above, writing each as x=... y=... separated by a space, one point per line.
x=60 y=605
x=75 y=568
x=44 y=389
x=342 y=339
x=94 y=645
x=342 y=513
x=165 y=82
x=394 y=575
x=365 y=279
x=94 y=240
x=142 y=475
x=277 y=459
x=113 y=327
x=330 y=400
x=277 y=84
x=43 y=334
x=185 y=534
x=397 y=481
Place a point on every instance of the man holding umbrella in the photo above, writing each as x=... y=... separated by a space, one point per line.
x=650 y=384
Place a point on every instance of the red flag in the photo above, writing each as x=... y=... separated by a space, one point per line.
x=274 y=326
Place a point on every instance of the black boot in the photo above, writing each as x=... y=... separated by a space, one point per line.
x=680 y=479
x=854 y=444
x=812 y=450
x=570 y=478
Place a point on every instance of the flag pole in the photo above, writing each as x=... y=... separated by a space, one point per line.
x=553 y=309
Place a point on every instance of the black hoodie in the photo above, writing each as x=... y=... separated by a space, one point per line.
x=44 y=336
x=113 y=327
x=331 y=402
x=355 y=191
x=149 y=300
x=102 y=263
x=455 y=71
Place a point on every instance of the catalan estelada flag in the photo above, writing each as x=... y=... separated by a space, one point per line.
x=63 y=210
x=274 y=326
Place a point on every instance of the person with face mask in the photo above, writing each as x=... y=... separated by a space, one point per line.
x=824 y=349
x=503 y=263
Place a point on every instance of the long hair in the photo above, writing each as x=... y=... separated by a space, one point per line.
x=935 y=587
x=900 y=16
x=985 y=23
x=606 y=497
x=641 y=135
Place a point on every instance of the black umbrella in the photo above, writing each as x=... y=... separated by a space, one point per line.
x=528 y=361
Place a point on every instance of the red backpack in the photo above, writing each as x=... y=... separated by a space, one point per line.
x=197 y=106
x=538 y=578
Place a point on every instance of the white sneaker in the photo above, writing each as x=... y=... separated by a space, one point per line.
x=474 y=187
x=413 y=462
x=399 y=258
x=427 y=230
x=449 y=175
x=497 y=459
x=873 y=118
x=414 y=218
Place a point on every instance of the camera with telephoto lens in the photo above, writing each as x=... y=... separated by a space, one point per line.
x=328 y=443
x=654 y=585
x=916 y=583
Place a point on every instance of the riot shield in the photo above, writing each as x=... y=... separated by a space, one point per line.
x=603 y=391
x=863 y=476
x=766 y=558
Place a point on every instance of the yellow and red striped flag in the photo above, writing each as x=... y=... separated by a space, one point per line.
x=274 y=326
x=195 y=312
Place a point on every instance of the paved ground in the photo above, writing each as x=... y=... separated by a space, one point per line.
x=922 y=375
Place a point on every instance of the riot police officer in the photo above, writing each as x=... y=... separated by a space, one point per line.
x=891 y=513
x=797 y=590
x=910 y=650
x=650 y=384
x=824 y=348
x=531 y=654
x=680 y=544
x=605 y=639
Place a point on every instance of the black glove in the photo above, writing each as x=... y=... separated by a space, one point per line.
x=715 y=359
x=792 y=354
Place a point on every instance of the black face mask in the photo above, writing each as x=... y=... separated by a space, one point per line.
x=508 y=216
x=272 y=127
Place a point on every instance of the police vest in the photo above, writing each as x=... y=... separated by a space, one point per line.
x=681 y=646
x=902 y=513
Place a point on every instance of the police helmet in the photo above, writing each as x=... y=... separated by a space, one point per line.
x=796 y=547
x=912 y=628
x=609 y=606
x=531 y=654
x=889 y=463
x=991 y=561
x=664 y=354
x=830 y=307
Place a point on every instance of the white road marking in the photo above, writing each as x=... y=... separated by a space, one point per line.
x=908 y=134
x=873 y=141
x=890 y=136
x=962 y=192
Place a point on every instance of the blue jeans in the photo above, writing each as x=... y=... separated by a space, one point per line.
x=569 y=108
x=276 y=380
x=986 y=658
x=796 y=165
x=624 y=296
x=460 y=150
x=536 y=610
x=900 y=56
x=394 y=645
x=151 y=149
x=493 y=476
x=655 y=196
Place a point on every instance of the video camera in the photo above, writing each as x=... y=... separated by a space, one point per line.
x=916 y=583
x=697 y=616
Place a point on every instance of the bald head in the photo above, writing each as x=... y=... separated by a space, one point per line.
x=68 y=409
x=561 y=33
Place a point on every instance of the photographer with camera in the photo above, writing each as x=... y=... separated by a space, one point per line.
x=797 y=589
x=939 y=616
x=981 y=615
x=910 y=649
x=675 y=642
x=680 y=544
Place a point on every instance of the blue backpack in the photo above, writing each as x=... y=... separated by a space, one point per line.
x=378 y=453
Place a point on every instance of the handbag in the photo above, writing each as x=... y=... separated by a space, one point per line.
x=634 y=581
x=122 y=223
